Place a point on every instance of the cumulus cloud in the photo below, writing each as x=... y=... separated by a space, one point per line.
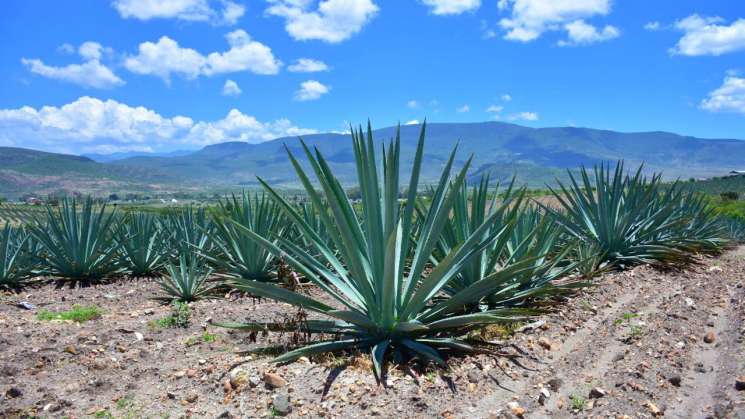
x=167 y=57
x=91 y=73
x=729 y=97
x=452 y=7
x=523 y=116
x=581 y=33
x=307 y=65
x=89 y=124
x=505 y=97
x=529 y=19
x=494 y=108
x=653 y=26
x=412 y=122
x=709 y=36
x=311 y=90
x=463 y=109
x=412 y=104
x=231 y=88
x=227 y=13
x=331 y=21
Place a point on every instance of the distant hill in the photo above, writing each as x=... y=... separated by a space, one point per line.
x=25 y=171
x=105 y=158
x=535 y=155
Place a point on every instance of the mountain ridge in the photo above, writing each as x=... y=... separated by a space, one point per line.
x=502 y=150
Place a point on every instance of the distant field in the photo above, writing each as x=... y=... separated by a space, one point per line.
x=718 y=185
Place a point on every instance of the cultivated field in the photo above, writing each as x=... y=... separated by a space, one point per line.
x=617 y=296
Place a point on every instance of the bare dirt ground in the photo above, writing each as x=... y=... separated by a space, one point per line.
x=643 y=343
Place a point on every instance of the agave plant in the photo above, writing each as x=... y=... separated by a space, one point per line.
x=190 y=230
x=187 y=281
x=142 y=244
x=235 y=253
x=16 y=262
x=78 y=241
x=629 y=219
x=524 y=236
x=383 y=301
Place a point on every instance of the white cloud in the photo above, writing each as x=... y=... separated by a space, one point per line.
x=333 y=21
x=412 y=122
x=89 y=124
x=311 y=90
x=529 y=19
x=452 y=7
x=92 y=73
x=581 y=33
x=231 y=88
x=505 y=97
x=187 y=10
x=463 y=109
x=494 y=108
x=167 y=57
x=66 y=48
x=308 y=65
x=523 y=116
x=412 y=104
x=729 y=97
x=708 y=36
x=653 y=26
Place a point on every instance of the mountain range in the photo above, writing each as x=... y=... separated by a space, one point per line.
x=536 y=156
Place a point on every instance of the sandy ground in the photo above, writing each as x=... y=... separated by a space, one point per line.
x=633 y=346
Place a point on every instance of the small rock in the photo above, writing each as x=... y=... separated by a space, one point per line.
x=171 y=395
x=281 y=404
x=689 y=302
x=555 y=383
x=709 y=337
x=13 y=392
x=653 y=409
x=474 y=376
x=597 y=393
x=674 y=380
x=254 y=381
x=238 y=377
x=740 y=383
x=273 y=380
x=516 y=409
x=545 y=343
x=543 y=396
x=71 y=349
x=618 y=357
x=139 y=336
x=179 y=374
x=192 y=397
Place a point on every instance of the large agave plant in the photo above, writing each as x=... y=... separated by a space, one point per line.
x=190 y=230
x=383 y=301
x=78 y=241
x=142 y=244
x=235 y=253
x=524 y=235
x=16 y=262
x=632 y=219
x=187 y=281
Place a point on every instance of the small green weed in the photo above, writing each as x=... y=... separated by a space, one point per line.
x=205 y=337
x=578 y=402
x=180 y=316
x=77 y=314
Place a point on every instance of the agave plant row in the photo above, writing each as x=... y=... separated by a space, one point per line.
x=401 y=276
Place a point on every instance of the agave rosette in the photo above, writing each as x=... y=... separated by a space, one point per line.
x=383 y=300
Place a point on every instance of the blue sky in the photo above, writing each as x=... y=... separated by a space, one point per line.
x=103 y=76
